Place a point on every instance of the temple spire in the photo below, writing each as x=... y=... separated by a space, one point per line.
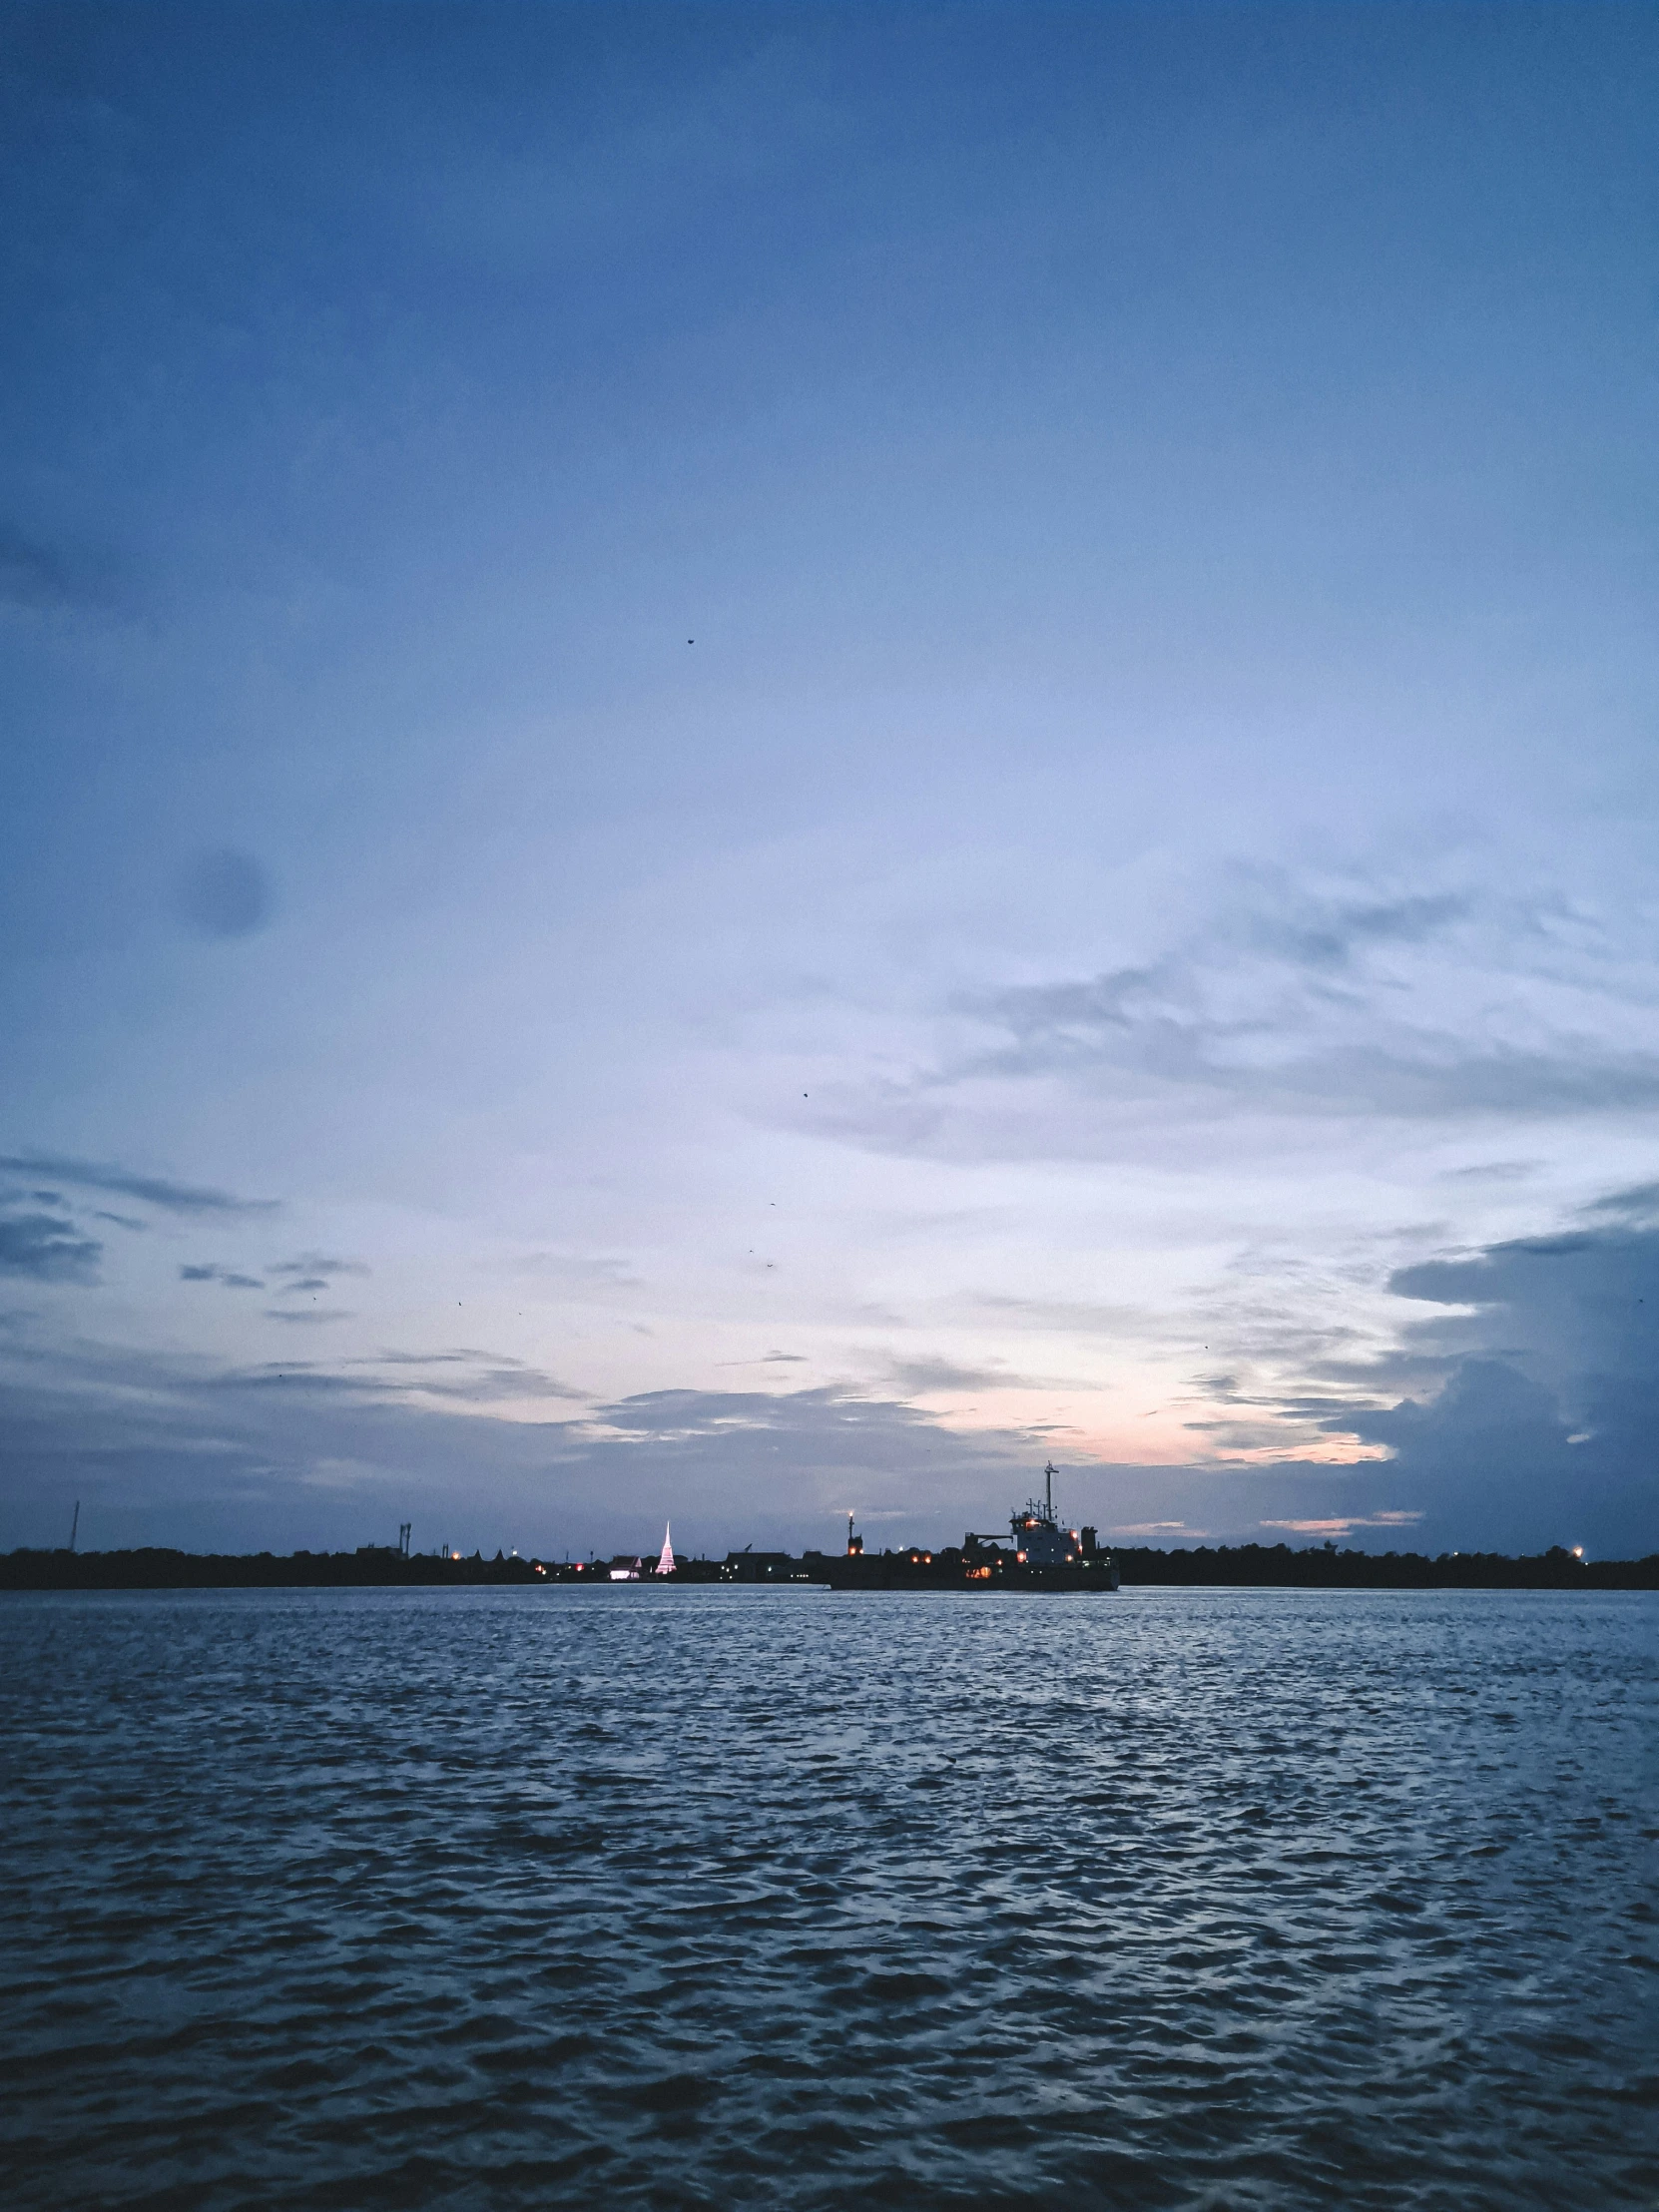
x=665 y=1565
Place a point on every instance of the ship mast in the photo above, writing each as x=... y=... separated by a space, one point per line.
x=1048 y=1487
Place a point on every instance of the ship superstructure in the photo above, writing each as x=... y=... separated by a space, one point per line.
x=1037 y=1553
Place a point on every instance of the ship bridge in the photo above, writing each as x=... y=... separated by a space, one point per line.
x=1039 y=1541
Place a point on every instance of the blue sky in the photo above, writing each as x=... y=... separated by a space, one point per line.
x=762 y=760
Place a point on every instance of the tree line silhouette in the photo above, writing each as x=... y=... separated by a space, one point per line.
x=1223 y=1566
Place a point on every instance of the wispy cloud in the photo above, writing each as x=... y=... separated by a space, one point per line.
x=1491 y=1170
x=1639 y=1204
x=928 y=1375
x=503 y=1384
x=1420 y=1006
x=1344 y=1525
x=311 y=1274
x=153 y=1190
x=47 y=1249
x=472 y=1377
x=921 y=1377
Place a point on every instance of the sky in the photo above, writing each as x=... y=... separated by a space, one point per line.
x=760 y=762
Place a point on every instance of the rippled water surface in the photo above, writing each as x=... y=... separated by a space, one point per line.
x=621 y=1898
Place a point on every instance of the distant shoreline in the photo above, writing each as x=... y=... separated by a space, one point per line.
x=1235 y=1566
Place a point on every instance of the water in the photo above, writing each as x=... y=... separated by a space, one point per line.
x=499 y=1899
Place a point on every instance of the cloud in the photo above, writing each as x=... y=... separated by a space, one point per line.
x=1491 y=1170
x=1580 y=1300
x=1640 y=1203
x=1490 y=1453
x=1534 y=1365
x=927 y=1376
x=172 y=1449
x=918 y=1377
x=1344 y=1525
x=47 y=1249
x=210 y=1272
x=462 y=1357
x=314 y=1264
x=1326 y=933
x=1416 y=1005
x=307 y=1316
x=153 y=1190
x=503 y=1383
x=488 y=1378
x=1542 y=1430
x=1170 y=1036
x=310 y=1274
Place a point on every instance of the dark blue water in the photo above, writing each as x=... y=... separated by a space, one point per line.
x=674 y=1897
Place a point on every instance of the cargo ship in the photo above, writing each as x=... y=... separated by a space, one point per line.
x=1036 y=1554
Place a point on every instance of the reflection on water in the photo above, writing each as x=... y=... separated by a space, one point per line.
x=674 y=1897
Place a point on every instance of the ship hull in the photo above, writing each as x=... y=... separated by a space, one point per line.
x=866 y=1572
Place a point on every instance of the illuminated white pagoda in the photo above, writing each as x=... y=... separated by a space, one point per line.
x=665 y=1565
